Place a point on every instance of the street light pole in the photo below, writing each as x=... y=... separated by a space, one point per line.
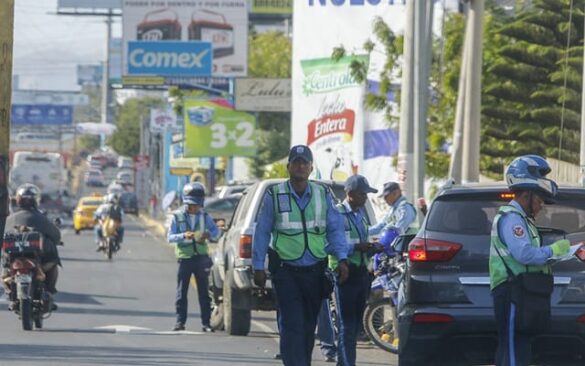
x=6 y=40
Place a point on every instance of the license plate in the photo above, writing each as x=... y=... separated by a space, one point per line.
x=20 y=278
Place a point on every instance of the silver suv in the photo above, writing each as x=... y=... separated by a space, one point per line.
x=231 y=284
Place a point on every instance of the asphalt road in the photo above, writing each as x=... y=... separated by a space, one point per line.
x=120 y=312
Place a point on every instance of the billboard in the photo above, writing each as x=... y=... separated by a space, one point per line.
x=41 y=114
x=223 y=23
x=327 y=104
x=168 y=58
x=271 y=6
x=90 y=4
x=89 y=74
x=115 y=61
x=49 y=97
x=163 y=120
x=214 y=128
x=268 y=95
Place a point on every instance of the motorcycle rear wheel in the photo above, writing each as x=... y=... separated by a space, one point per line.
x=26 y=314
x=379 y=324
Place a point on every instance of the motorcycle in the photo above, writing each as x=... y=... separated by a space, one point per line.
x=109 y=242
x=379 y=320
x=24 y=279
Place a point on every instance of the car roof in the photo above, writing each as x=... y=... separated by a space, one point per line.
x=494 y=187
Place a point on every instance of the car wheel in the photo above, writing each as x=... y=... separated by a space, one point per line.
x=215 y=293
x=236 y=321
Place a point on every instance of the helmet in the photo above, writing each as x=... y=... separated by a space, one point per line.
x=528 y=173
x=194 y=193
x=111 y=198
x=387 y=238
x=28 y=195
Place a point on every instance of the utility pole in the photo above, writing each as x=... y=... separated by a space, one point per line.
x=6 y=41
x=582 y=145
x=472 y=112
x=106 y=93
x=406 y=128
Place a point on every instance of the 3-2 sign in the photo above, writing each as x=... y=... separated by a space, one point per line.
x=241 y=134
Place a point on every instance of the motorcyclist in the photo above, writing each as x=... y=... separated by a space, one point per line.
x=27 y=214
x=109 y=208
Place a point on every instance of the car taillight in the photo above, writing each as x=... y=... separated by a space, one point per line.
x=245 y=246
x=432 y=318
x=429 y=250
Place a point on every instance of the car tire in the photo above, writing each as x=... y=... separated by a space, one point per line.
x=236 y=321
x=215 y=293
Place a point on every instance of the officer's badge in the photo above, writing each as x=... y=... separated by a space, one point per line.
x=518 y=231
x=284 y=202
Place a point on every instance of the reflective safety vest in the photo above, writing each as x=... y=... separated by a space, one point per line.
x=297 y=230
x=188 y=248
x=498 y=272
x=352 y=235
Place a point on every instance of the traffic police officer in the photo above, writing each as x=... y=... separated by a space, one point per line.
x=515 y=245
x=354 y=292
x=189 y=230
x=305 y=227
x=400 y=215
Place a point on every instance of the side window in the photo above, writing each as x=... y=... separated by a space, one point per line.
x=243 y=205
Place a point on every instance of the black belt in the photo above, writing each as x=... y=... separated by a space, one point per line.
x=317 y=267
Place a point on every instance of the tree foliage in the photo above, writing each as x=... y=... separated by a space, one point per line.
x=126 y=140
x=270 y=55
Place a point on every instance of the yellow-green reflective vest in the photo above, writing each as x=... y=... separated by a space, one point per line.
x=295 y=230
x=188 y=248
x=498 y=272
x=352 y=236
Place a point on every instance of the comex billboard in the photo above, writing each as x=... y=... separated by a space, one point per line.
x=185 y=38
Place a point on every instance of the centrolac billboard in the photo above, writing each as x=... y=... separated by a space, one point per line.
x=214 y=128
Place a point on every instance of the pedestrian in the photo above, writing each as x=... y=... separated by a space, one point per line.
x=354 y=292
x=401 y=214
x=299 y=220
x=515 y=249
x=190 y=229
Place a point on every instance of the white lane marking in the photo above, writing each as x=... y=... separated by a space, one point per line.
x=133 y=330
x=120 y=328
x=267 y=329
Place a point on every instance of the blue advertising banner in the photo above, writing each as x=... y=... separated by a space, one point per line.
x=41 y=114
x=168 y=58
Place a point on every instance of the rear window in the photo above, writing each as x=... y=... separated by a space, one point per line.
x=464 y=214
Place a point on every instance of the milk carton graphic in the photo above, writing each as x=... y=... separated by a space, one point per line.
x=159 y=25
x=200 y=116
x=207 y=25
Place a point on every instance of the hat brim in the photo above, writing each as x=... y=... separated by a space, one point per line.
x=190 y=201
x=300 y=157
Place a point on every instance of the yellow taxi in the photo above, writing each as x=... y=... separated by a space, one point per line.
x=83 y=213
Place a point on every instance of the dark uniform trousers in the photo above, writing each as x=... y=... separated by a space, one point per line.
x=513 y=349
x=197 y=266
x=353 y=294
x=299 y=292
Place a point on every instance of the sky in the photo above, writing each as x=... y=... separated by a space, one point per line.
x=48 y=47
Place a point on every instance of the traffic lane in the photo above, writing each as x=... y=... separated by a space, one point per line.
x=120 y=312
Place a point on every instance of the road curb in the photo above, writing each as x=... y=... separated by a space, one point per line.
x=153 y=225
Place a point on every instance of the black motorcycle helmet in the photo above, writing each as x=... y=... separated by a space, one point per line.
x=28 y=195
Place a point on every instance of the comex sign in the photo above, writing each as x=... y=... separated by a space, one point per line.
x=170 y=58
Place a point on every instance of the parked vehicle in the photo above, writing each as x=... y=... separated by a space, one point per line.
x=125 y=162
x=445 y=311
x=83 y=214
x=379 y=320
x=25 y=278
x=129 y=202
x=222 y=209
x=231 y=284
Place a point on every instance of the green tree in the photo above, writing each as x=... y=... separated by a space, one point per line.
x=126 y=140
x=532 y=86
x=270 y=55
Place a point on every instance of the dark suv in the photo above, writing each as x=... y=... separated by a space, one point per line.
x=445 y=312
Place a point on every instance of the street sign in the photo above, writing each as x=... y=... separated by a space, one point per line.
x=181 y=171
x=43 y=114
